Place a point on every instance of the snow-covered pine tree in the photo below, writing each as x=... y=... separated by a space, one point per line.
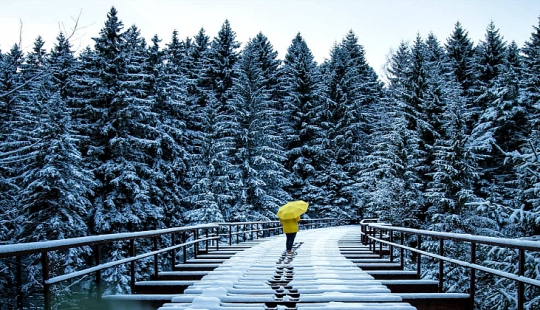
x=261 y=176
x=522 y=217
x=303 y=104
x=126 y=133
x=11 y=105
x=394 y=165
x=122 y=136
x=460 y=49
x=526 y=215
x=453 y=169
x=353 y=91
x=490 y=63
x=218 y=71
x=168 y=90
x=212 y=167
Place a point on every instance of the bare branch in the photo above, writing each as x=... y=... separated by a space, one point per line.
x=20 y=32
x=44 y=73
x=74 y=29
x=534 y=150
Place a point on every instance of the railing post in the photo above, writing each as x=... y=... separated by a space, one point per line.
x=391 y=245
x=132 y=264
x=46 y=287
x=156 y=269
x=173 y=258
x=19 y=283
x=230 y=234
x=237 y=229
x=207 y=241
x=97 y=258
x=402 y=250
x=184 y=249
x=362 y=234
x=380 y=243
x=418 y=259
x=218 y=238
x=472 y=283
x=441 y=265
x=196 y=243
x=521 y=285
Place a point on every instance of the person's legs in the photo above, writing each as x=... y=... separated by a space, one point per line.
x=290 y=241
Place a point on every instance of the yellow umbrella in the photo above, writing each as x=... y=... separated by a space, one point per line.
x=292 y=209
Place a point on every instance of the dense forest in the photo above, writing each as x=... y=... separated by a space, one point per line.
x=130 y=135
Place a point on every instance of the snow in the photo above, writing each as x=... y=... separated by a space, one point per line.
x=503 y=242
x=320 y=274
x=14 y=249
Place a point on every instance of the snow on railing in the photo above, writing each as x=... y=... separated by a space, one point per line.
x=373 y=233
x=197 y=238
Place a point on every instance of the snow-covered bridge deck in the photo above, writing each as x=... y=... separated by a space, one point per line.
x=318 y=276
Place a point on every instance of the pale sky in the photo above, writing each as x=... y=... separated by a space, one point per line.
x=379 y=24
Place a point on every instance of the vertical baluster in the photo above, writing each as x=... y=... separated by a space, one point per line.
x=218 y=238
x=402 y=251
x=472 y=283
x=441 y=265
x=184 y=248
x=230 y=234
x=419 y=259
x=196 y=243
x=521 y=285
x=46 y=287
x=391 y=245
x=173 y=253
x=97 y=258
x=156 y=268
x=19 y=283
x=207 y=241
x=380 y=243
x=132 y=264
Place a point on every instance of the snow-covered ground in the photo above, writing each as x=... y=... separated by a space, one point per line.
x=317 y=277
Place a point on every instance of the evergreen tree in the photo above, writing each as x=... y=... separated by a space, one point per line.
x=261 y=175
x=122 y=136
x=460 y=50
x=352 y=91
x=525 y=215
x=11 y=105
x=218 y=72
x=303 y=104
x=491 y=62
x=168 y=91
x=394 y=163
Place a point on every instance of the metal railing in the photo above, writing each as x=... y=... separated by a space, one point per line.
x=243 y=231
x=191 y=240
x=375 y=234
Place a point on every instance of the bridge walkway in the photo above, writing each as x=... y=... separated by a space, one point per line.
x=330 y=269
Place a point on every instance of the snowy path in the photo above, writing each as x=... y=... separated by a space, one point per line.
x=318 y=276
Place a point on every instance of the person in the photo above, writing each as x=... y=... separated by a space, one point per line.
x=290 y=228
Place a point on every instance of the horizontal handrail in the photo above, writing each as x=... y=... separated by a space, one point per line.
x=120 y=262
x=210 y=233
x=503 y=274
x=372 y=233
x=501 y=242
x=10 y=250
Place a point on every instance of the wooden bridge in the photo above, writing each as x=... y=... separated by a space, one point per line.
x=333 y=267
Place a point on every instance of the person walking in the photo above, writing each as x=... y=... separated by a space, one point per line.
x=290 y=228
x=289 y=216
